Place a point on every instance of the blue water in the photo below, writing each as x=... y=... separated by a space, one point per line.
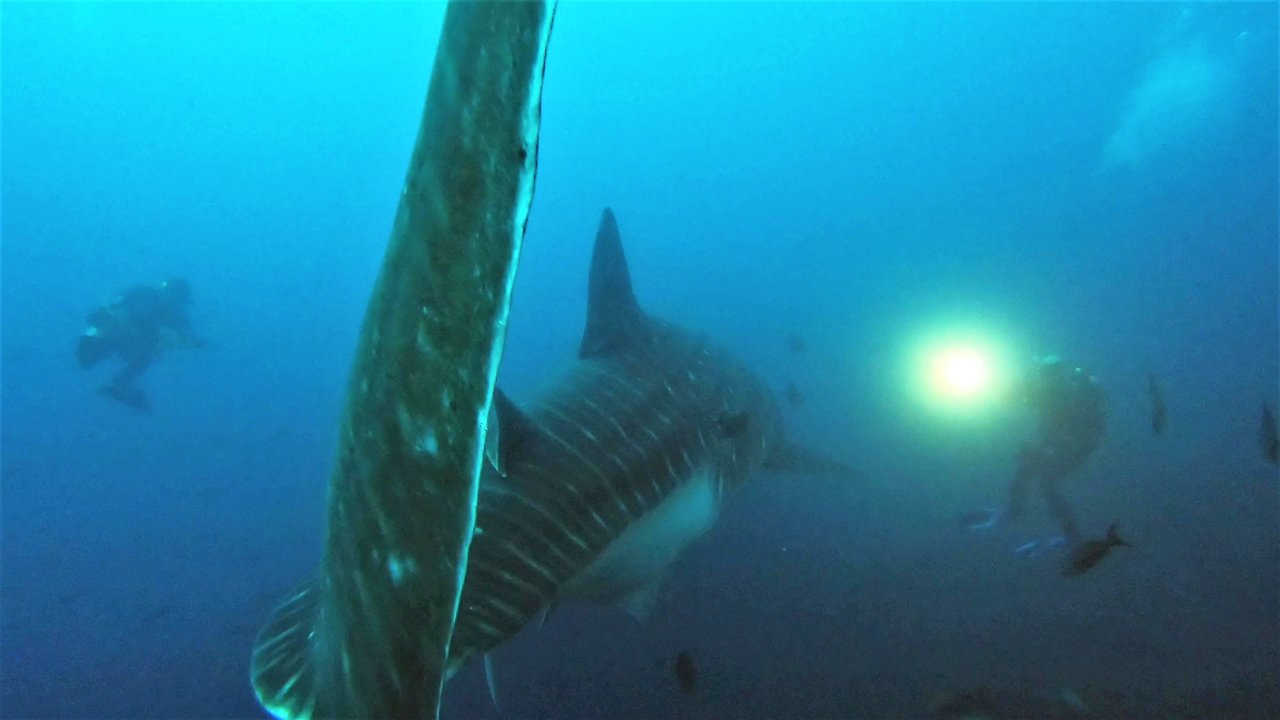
x=1095 y=180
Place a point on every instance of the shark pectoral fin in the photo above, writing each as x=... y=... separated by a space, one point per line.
x=508 y=431
x=797 y=459
x=639 y=602
x=493 y=438
x=281 y=669
x=489 y=680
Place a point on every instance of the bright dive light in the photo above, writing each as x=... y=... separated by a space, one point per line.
x=961 y=373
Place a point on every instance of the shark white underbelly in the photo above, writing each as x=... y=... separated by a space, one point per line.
x=628 y=570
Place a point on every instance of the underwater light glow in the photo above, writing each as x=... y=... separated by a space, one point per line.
x=960 y=372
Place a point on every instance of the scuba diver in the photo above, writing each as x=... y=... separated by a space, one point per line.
x=138 y=325
x=1072 y=424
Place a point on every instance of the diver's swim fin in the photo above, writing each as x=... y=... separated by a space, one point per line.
x=980 y=519
x=1040 y=547
x=127 y=394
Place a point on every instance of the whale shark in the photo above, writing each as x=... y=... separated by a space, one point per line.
x=594 y=490
x=455 y=517
x=370 y=634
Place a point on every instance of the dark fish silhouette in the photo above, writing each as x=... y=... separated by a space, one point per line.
x=1090 y=553
x=793 y=395
x=12 y=470
x=968 y=704
x=1157 y=404
x=686 y=673
x=986 y=703
x=796 y=343
x=1268 y=437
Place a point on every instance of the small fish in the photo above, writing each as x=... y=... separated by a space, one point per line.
x=1268 y=437
x=1090 y=553
x=793 y=395
x=796 y=342
x=1157 y=404
x=12 y=470
x=733 y=425
x=969 y=704
x=1072 y=700
x=686 y=673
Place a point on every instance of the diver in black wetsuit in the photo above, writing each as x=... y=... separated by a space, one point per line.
x=1072 y=425
x=137 y=325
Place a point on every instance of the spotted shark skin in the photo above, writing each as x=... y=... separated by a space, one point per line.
x=370 y=635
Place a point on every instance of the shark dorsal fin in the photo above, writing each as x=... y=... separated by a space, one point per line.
x=508 y=430
x=614 y=319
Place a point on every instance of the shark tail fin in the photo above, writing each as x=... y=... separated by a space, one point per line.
x=800 y=460
x=284 y=678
